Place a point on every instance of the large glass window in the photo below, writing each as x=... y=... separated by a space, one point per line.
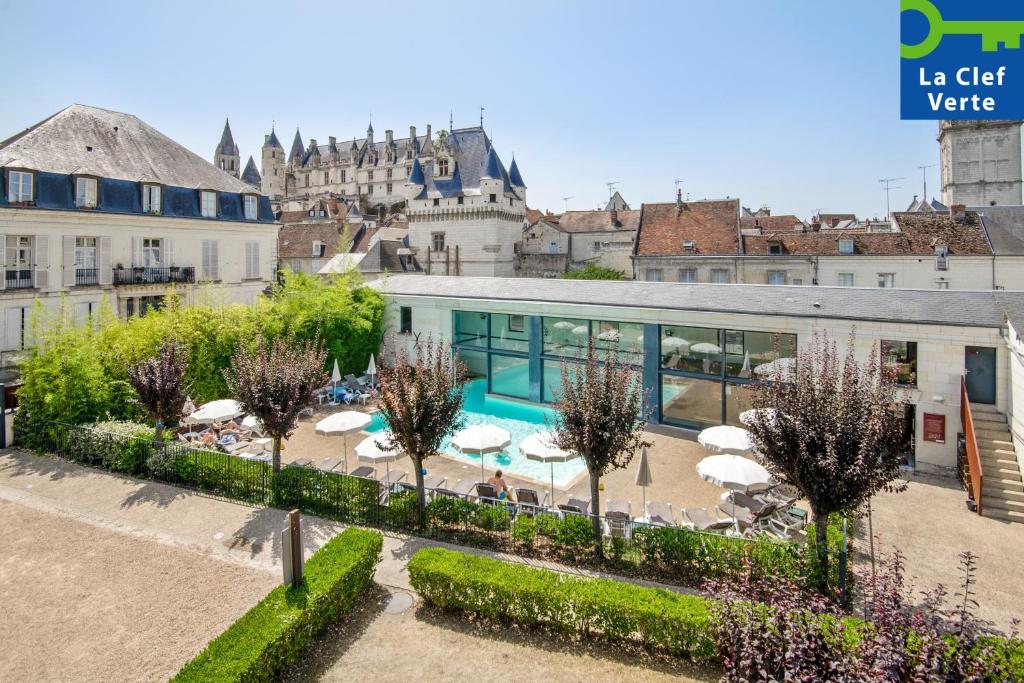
x=19 y=186
x=626 y=339
x=901 y=356
x=469 y=327
x=757 y=354
x=510 y=376
x=691 y=349
x=738 y=397
x=509 y=332
x=691 y=401
x=475 y=362
x=552 y=380
x=565 y=336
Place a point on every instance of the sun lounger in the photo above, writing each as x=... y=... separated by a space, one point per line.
x=433 y=481
x=358 y=391
x=578 y=506
x=618 y=518
x=699 y=519
x=530 y=501
x=393 y=477
x=328 y=464
x=301 y=462
x=464 y=487
x=659 y=514
x=487 y=493
x=364 y=471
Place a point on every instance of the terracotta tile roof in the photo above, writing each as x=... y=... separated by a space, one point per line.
x=596 y=221
x=767 y=223
x=926 y=230
x=713 y=226
x=830 y=219
x=295 y=240
x=533 y=215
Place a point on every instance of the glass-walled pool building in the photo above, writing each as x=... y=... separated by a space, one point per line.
x=698 y=348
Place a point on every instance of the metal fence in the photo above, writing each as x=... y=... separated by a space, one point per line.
x=671 y=554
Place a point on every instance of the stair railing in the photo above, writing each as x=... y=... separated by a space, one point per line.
x=975 y=474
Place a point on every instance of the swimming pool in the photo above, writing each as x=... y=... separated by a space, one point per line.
x=520 y=420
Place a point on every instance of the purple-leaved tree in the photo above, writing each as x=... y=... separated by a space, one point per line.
x=832 y=429
x=275 y=381
x=601 y=416
x=159 y=382
x=421 y=400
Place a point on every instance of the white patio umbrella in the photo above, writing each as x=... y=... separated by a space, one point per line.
x=539 y=447
x=216 y=411
x=768 y=414
x=371 y=369
x=564 y=325
x=581 y=329
x=643 y=476
x=726 y=439
x=779 y=366
x=252 y=423
x=371 y=449
x=705 y=347
x=733 y=472
x=482 y=439
x=609 y=335
x=676 y=342
x=342 y=424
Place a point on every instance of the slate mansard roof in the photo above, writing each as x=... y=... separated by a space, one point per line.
x=970 y=308
x=122 y=151
x=473 y=158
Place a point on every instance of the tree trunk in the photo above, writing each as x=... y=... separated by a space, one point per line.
x=421 y=496
x=159 y=432
x=595 y=507
x=821 y=541
x=276 y=459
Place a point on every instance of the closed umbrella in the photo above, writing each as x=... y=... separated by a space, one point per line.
x=188 y=408
x=335 y=377
x=371 y=369
x=379 y=447
x=726 y=439
x=216 y=411
x=342 y=424
x=643 y=476
x=482 y=439
x=540 y=447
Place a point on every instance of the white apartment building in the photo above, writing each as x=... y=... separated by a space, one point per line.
x=97 y=204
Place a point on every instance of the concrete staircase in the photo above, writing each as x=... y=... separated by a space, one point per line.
x=1003 y=492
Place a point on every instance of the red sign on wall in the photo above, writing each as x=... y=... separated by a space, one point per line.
x=935 y=428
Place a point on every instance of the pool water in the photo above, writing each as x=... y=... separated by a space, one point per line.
x=520 y=420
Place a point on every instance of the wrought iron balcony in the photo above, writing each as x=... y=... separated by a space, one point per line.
x=85 y=276
x=18 y=279
x=148 y=275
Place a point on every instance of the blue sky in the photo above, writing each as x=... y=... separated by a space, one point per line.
x=789 y=103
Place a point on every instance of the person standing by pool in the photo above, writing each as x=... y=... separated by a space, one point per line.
x=499 y=485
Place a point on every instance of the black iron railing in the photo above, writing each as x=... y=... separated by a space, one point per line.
x=148 y=275
x=18 y=279
x=85 y=276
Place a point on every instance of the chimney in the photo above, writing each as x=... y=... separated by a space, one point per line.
x=615 y=217
x=333 y=140
x=266 y=139
x=679 y=199
x=389 y=135
x=428 y=131
x=412 y=132
x=312 y=143
x=958 y=212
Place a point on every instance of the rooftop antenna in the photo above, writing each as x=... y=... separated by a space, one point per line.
x=887 y=185
x=924 y=181
x=566 y=200
x=611 y=187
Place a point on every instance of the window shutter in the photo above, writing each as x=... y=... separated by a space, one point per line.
x=105 y=275
x=69 y=261
x=167 y=252
x=252 y=260
x=12 y=329
x=3 y=261
x=42 y=254
x=136 y=252
x=205 y=273
x=214 y=260
x=210 y=260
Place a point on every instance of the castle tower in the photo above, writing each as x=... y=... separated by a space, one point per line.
x=980 y=162
x=226 y=156
x=272 y=152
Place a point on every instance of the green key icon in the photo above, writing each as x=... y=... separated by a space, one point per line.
x=993 y=33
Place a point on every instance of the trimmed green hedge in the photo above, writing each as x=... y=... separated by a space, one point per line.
x=272 y=634
x=504 y=591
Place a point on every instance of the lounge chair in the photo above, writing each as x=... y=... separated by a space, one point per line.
x=464 y=487
x=530 y=502
x=301 y=462
x=359 y=393
x=364 y=471
x=576 y=506
x=434 y=481
x=328 y=464
x=487 y=493
x=393 y=477
x=659 y=514
x=699 y=519
x=618 y=518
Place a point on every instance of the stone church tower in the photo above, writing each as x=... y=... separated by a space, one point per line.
x=225 y=156
x=980 y=162
x=272 y=157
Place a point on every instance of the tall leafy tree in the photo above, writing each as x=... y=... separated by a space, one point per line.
x=275 y=381
x=834 y=430
x=601 y=416
x=160 y=383
x=421 y=400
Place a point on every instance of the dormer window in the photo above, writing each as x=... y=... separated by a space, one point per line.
x=19 y=186
x=689 y=245
x=845 y=247
x=408 y=153
x=390 y=156
x=775 y=247
x=208 y=205
x=151 y=199
x=442 y=167
x=251 y=207
x=85 y=192
x=319 y=249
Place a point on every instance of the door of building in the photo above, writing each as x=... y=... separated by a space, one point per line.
x=980 y=368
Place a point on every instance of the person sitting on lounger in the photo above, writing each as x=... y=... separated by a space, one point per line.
x=207 y=439
x=231 y=425
x=499 y=485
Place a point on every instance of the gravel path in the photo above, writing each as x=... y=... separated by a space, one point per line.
x=86 y=603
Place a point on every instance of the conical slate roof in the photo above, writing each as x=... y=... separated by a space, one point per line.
x=297 y=148
x=514 y=176
x=492 y=166
x=227 y=142
x=273 y=141
x=416 y=174
x=250 y=174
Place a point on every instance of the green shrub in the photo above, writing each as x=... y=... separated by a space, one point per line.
x=491 y=517
x=592 y=271
x=447 y=511
x=574 y=531
x=547 y=524
x=573 y=605
x=524 y=531
x=272 y=635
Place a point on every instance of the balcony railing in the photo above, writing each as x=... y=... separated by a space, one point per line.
x=18 y=279
x=85 y=276
x=147 y=275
